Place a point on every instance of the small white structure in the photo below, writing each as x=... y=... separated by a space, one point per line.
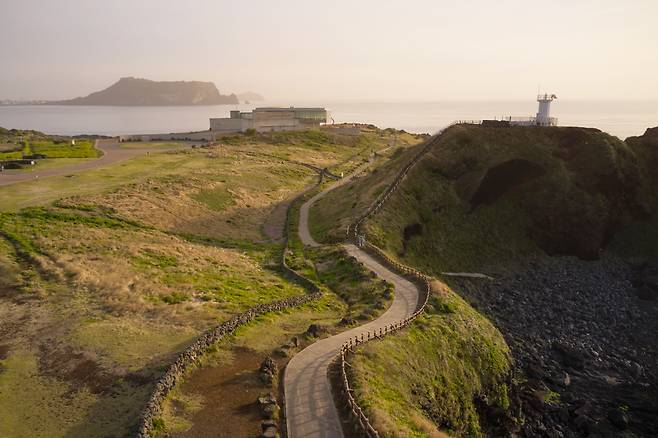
x=544 y=113
x=543 y=116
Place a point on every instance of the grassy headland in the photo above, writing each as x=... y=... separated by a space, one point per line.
x=113 y=271
x=481 y=199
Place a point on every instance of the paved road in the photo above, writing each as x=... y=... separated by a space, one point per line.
x=303 y=231
x=310 y=410
x=112 y=153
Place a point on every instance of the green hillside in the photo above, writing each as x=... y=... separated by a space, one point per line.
x=485 y=199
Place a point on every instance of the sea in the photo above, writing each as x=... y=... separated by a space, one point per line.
x=619 y=118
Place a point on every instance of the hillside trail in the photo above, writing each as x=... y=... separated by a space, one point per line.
x=112 y=153
x=310 y=409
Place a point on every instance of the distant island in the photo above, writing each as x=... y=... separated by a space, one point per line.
x=144 y=92
x=250 y=96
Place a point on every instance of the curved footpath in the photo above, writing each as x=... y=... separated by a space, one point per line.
x=310 y=410
x=112 y=153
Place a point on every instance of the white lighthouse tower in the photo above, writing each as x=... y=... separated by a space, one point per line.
x=544 y=112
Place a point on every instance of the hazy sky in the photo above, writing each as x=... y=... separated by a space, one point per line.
x=335 y=50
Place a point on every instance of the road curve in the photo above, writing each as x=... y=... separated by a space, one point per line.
x=310 y=410
x=112 y=153
x=304 y=232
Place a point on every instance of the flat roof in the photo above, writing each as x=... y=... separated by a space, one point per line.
x=292 y=108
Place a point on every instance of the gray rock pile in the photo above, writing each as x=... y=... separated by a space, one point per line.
x=268 y=371
x=270 y=429
x=316 y=330
x=268 y=406
x=584 y=335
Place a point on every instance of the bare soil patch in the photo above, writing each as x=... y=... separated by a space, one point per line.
x=230 y=392
x=79 y=367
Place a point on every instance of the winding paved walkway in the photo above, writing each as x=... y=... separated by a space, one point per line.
x=310 y=410
x=112 y=153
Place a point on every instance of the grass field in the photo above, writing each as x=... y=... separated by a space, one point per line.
x=64 y=149
x=50 y=148
x=110 y=272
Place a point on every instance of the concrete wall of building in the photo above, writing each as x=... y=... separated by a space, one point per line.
x=268 y=121
x=226 y=125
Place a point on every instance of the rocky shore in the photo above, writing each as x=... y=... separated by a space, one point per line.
x=584 y=335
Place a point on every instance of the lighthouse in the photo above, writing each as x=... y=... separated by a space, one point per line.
x=544 y=111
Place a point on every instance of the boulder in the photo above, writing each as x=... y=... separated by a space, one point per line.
x=271 y=432
x=269 y=365
x=268 y=406
x=267 y=424
x=347 y=320
x=268 y=371
x=315 y=330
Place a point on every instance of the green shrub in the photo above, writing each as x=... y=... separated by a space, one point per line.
x=174 y=298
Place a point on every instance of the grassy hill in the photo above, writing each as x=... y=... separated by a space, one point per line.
x=113 y=271
x=639 y=239
x=483 y=199
x=483 y=196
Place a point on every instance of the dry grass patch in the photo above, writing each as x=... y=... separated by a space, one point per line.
x=130 y=344
x=231 y=199
x=136 y=271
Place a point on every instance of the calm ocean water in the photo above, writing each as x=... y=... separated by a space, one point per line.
x=622 y=119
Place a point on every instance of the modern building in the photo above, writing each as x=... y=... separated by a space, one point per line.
x=270 y=119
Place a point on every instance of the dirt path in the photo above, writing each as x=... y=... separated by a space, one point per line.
x=112 y=153
x=310 y=410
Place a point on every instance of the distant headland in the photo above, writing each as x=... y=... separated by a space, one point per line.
x=131 y=91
